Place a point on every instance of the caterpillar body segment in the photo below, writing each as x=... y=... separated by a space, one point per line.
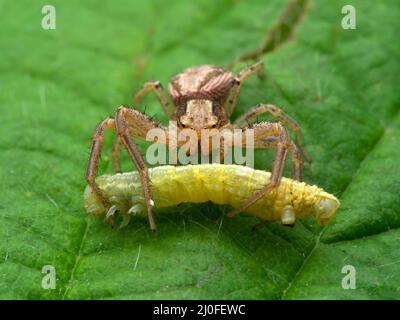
x=219 y=183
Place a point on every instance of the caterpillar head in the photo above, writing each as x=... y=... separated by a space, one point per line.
x=117 y=215
x=325 y=207
x=123 y=191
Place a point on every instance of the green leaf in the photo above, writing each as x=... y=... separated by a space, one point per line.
x=340 y=85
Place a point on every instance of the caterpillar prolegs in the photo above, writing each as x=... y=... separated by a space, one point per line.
x=219 y=183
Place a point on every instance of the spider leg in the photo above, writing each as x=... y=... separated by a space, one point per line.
x=297 y=163
x=237 y=82
x=245 y=119
x=132 y=122
x=94 y=157
x=257 y=67
x=116 y=151
x=261 y=131
x=162 y=95
x=297 y=160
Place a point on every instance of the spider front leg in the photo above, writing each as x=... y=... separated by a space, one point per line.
x=94 y=157
x=297 y=160
x=115 y=153
x=245 y=119
x=162 y=95
x=297 y=163
x=132 y=122
x=283 y=144
x=237 y=82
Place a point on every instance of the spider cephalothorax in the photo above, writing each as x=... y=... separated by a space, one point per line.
x=201 y=82
x=199 y=94
x=199 y=98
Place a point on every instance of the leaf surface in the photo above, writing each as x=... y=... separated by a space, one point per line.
x=56 y=85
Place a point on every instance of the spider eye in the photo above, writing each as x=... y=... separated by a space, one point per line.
x=214 y=126
x=183 y=125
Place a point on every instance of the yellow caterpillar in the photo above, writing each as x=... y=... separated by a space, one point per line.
x=219 y=183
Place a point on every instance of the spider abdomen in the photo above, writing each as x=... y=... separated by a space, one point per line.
x=201 y=82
